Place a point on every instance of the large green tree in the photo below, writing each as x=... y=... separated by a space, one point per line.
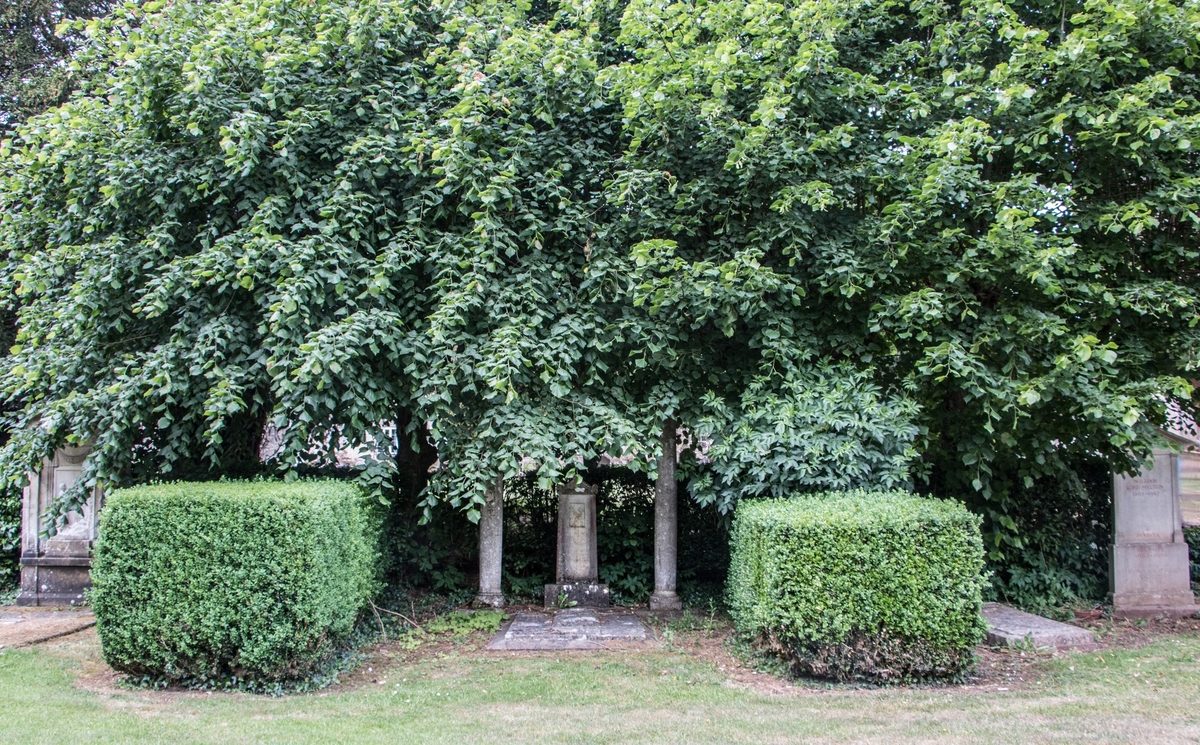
x=842 y=243
x=991 y=206
x=331 y=214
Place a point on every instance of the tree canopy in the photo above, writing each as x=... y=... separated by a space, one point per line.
x=845 y=243
x=34 y=60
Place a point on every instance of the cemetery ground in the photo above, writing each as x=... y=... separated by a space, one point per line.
x=1140 y=684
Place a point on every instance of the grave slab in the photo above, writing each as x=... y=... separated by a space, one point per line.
x=1009 y=627
x=573 y=628
x=23 y=626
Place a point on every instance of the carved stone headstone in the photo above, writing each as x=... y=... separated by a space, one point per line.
x=578 y=573
x=1148 y=562
x=54 y=570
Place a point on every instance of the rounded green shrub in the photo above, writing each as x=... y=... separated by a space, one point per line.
x=869 y=586
x=252 y=582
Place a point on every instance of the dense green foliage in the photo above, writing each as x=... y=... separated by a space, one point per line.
x=1065 y=529
x=959 y=236
x=1191 y=534
x=10 y=535
x=35 y=71
x=34 y=75
x=258 y=582
x=813 y=431
x=873 y=586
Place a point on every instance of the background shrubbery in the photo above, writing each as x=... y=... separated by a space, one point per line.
x=228 y=582
x=374 y=213
x=1047 y=544
x=860 y=586
x=441 y=554
x=1191 y=533
x=10 y=535
x=1060 y=559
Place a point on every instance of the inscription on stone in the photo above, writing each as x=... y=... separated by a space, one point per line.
x=1145 y=504
x=577 y=575
x=578 y=514
x=578 y=556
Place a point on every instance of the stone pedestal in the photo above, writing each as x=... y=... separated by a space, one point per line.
x=578 y=574
x=1148 y=561
x=55 y=571
x=491 y=547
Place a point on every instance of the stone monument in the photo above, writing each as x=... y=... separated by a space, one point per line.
x=55 y=570
x=1149 y=572
x=578 y=573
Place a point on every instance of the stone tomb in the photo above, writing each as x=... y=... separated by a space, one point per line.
x=54 y=571
x=1009 y=627
x=1148 y=561
x=573 y=628
x=578 y=572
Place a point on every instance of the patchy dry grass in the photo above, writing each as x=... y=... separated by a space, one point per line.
x=1144 y=686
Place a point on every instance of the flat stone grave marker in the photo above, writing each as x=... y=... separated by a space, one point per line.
x=21 y=627
x=572 y=628
x=1009 y=627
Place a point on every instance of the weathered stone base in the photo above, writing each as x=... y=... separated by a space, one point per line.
x=1176 y=611
x=665 y=602
x=490 y=599
x=579 y=593
x=54 y=580
x=1151 y=579
x=1143 y=605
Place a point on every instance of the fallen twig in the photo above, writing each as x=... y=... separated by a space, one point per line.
x=400 y=615
x=382 y=630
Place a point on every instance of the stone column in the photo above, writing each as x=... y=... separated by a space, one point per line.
x=56 y=570
x=666 y=525
x=1148 y=562
x=491 y=547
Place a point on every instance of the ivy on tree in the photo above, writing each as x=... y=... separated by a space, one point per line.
x=950 y=243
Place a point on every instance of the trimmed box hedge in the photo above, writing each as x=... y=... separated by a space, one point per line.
x=870 y=586
x=242 y=582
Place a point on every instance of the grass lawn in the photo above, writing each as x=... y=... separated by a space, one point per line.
x=690 y=691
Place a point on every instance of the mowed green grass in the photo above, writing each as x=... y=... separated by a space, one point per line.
x=57 y=693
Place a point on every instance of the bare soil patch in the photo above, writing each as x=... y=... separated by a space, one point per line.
x=24 y=626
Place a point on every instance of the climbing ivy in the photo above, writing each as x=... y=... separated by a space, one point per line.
x=965 y=230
